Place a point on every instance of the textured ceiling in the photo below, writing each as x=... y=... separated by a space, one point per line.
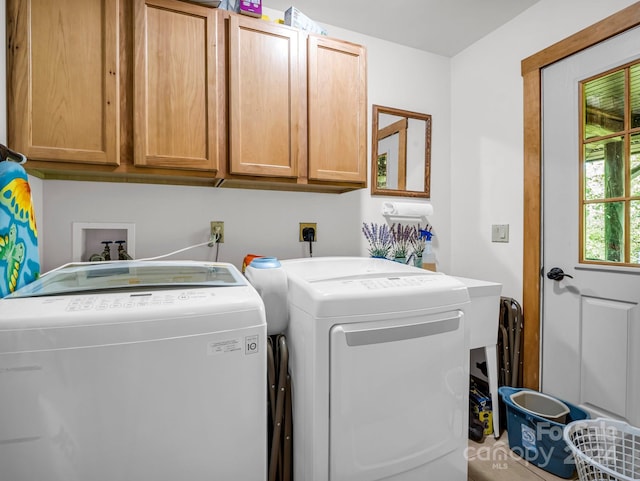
x=444 y=27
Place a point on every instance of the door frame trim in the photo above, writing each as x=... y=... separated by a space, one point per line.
x=531 y=69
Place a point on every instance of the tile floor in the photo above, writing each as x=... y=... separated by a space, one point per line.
x=492 y=460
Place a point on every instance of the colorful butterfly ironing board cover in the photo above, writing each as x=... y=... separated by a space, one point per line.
x=19 y=258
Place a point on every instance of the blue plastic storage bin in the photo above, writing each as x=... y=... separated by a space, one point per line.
x=537 y=439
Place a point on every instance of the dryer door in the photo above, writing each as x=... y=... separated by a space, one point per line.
x=397 y=399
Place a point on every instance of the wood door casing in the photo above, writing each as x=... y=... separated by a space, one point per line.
x=531 y=68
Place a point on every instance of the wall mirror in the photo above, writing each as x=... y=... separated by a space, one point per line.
x=401 y=152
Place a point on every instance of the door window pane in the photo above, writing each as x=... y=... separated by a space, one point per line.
x=610 y=167
x=604 y=169
x=604 y=105
x=635 y=165
x=594 y=232
x=635 y=231
x=604 y=232
x=635 y=96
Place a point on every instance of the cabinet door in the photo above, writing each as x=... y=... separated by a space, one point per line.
x=264 y=98
x=175 y=85
x=63 y=89
x=337 y=106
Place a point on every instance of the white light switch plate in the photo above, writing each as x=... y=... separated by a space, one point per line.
x=500 y=233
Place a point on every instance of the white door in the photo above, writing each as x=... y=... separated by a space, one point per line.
x=590 y=322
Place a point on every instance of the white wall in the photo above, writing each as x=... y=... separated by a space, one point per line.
x=411 y=79
x=487 y=135
x=168 y=218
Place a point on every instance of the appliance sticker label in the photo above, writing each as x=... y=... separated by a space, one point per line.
x=251 y=344
x=215 y=348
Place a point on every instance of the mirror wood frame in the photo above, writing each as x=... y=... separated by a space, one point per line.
x=399 y=127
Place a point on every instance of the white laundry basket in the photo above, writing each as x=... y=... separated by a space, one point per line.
x=604 y=449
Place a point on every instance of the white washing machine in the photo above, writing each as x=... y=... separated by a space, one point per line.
x=380 y=370
x=134 y=371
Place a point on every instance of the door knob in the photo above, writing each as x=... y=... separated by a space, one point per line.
x=557 y=274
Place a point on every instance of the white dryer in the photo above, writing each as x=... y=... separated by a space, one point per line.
x=380 y=370
x=134 y=371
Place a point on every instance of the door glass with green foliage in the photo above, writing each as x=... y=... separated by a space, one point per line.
x=610 y=163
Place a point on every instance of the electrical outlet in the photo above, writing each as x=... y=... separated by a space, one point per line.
x=304 y=226
x=217 y=228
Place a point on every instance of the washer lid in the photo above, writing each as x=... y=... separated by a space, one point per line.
x=127 y=302
x=124 y=275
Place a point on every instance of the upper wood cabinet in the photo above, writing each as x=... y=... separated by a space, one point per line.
x=264 y=92
x=175 y=102
x=297 y=108
x=337 y=106
x=115 y=89
x=171 y=91
x=63 y=86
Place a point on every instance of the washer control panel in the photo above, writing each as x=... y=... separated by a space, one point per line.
x=137 y=300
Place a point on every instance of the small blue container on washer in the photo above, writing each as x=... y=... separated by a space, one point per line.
x=268 y=277
x=539 y=439
x=265 y=263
